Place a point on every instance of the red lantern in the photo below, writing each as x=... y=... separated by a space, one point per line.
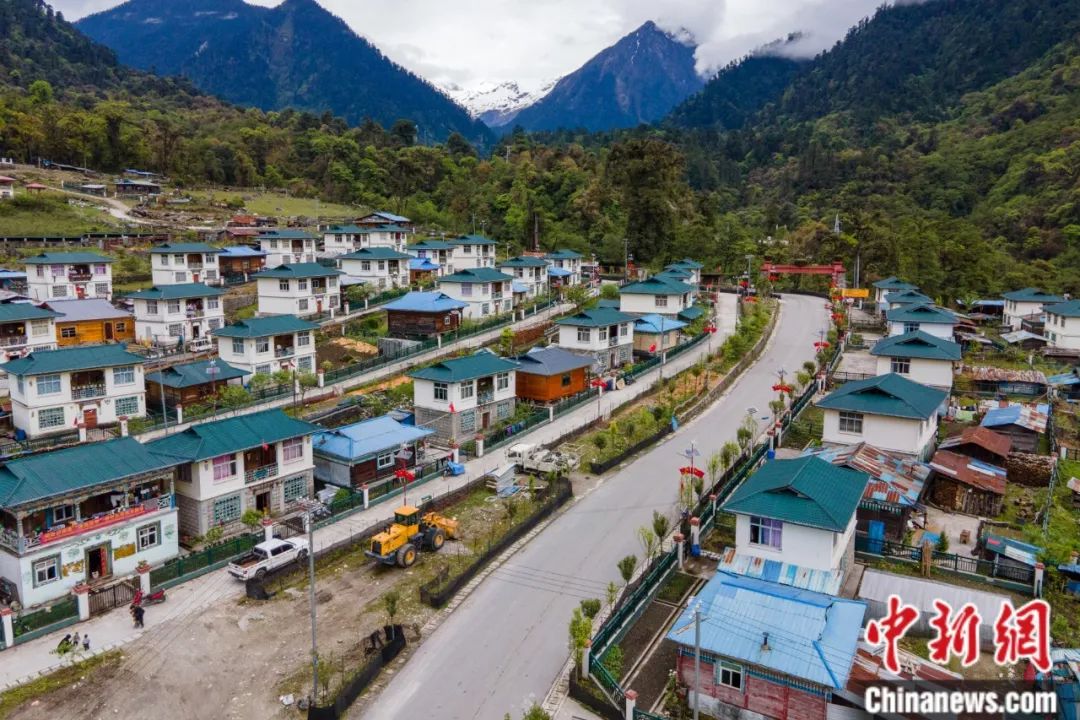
x=696 y=472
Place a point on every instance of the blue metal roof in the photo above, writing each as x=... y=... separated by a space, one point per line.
x=1033 y=419
x=1064 y=379
x=366 y=438
x=803 y=634
x=433 y=301
x=518 y=286
x=559 y=272
x=775 y=571
x=1014 y=549
x=241 y=251
x=390 y=217
x=423 y=264
x=654 y=324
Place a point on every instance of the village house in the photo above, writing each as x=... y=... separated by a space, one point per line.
x=606 y=335
x=889 y=285
x=547 y=375
x=1023 y=424
x=259 y=462
x=240 y=261
x=473 y=251
x=84 y=514
x=381 y=217
x=190 y=384
x=423 y=271
x=231 y=235
x=94 y=321
x=287 y=247
x=54 y=391
x=184 y=263
x=1063 y=325
x=931 y=319
x=887 y=411
x=263 y=346
x=7 y=187
x=305 y=289
x=1002 y=381
x=135 y=188
x=485 y=290
x=1026 y=303
x=656 y=334
x=187 y=312
x=1025 y=339
x=423 y=314
x=68 y=276
x=437 y=252
x=369 y=453
x=565 y=267
x=656 y=295
x=964 y=484
x=342 y=239
x=918 y=356
x=691 y=267
x=529 y=271
x=26 y=328
x=980 y=443
x=461 y=397
x=379 y=267
x=767 y=650
x=896 y=300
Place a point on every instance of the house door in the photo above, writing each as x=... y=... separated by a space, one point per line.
x=485 y=420
x=80 y=292
x=98 y=565
x=194 y=277
x=89 y=416
x=613 y=360
x=318 y=305
x=262 y=501
x=195 y=330
x=108 y=331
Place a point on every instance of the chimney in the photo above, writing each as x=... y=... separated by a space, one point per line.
x=1003 y=401
x=765 y=641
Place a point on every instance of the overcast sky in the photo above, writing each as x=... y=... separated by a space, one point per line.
x=468 y=42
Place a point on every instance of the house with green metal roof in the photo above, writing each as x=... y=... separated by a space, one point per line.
x=798 y=512
x=691 y=267
x=461 y=397
x=889 y=285
x=529 y=271
x=604 y=334
x=343 y=239
x=1062 y=327
x=900 y=298
x=472 y=251
x=58 y=391
x=438 y=252
x=889 y=411
x=262 y=461
x=287 y=246
x=1027 y=303
x=84 y=514
x=918 y=356
x=564 y=267
x=177 y=314
x=303 y=289
x=26 y=327
x=265 y=345
x=380 y=268
x=68 y=276
x=662 y=295
x=183 y=263
x=929 y=318
x=486 y=291
x=190 y=383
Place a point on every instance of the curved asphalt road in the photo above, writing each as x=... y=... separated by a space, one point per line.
x=502 y=648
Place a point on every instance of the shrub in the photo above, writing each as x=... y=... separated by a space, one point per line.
x=590 y=607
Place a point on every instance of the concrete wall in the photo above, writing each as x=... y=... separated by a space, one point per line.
x=913 y=437
x=642 y=304
x=804 y=546
x=940 y=330
x=938 y=373
x=1063 y=332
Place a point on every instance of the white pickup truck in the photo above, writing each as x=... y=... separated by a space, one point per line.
x=267 y=556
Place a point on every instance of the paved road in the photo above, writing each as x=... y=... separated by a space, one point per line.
x=502 y=648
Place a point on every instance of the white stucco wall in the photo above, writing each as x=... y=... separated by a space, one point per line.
x=938 y=373
x=940 y=330
x=807 y=547
x=424 y=394
x=913 y=437
x=642 y=304
x=1063 y=332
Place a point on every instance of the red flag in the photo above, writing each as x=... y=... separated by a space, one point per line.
x=452 y=410
x=76 y=423
x=265 y=446
x=652 y=348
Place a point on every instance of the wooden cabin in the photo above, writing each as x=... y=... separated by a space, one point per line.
x=370 y=453
x=963 y=484
x=190 y=383
x=91 y=322
x=550 y=374
x=423 y=314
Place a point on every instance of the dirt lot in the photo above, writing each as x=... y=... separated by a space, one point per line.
x=344 y=350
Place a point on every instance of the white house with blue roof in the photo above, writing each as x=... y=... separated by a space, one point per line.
x=461 y=397
x=691 y=268
x=342 y=239
x=369 y=453
x=889 y=285
x=530 y=271
x=931 y=319
x=437 y=252
x=918 y=356
x=564 y=267
x=1027 y=303
x=178 y=312
x=184 y=263
x=665 y=296
x=473 y=251
x=263 y=346
x=485 y=290
x=380 y=268
x=603 y=333
x=1062 y=327
x=656 y=334
x=767 y=650
x=25 y=327
x=84 y=514
x=302 y=289
x=287 y=246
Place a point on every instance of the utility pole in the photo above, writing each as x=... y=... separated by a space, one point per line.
x=164 y=410
x=626 y=260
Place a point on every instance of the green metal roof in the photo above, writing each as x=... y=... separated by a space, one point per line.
x=176 y=292
x=213 y=439
x=1065 y=309
x=908 y=297
x=891 y=394
x=894 y=283
x=917 y=344
x=465 y=368
x=692 y=313
x=472 y=275
x=595 y=317
x=299 y=271
x=75 y=258
x=921 y=314
x=1031 y=294
x=18 y=312
x=192 y=374
x=686 y=263
x=564 y=254
x=80 y=357
x=656 y=286
x=264 y=327
x=472 y=240
x=184 y=248
x=804 y=491
x=375 y=253
x=430 y=245
x=285 y=234
x=52 y=474
x=524 y=261
x=346 y=230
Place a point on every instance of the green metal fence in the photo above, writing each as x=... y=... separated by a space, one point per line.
x=36 y=623
x=191 y=566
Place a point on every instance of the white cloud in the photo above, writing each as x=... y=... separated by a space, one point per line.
x=467 y=42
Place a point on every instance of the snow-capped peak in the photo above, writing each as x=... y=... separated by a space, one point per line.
x=496 y=103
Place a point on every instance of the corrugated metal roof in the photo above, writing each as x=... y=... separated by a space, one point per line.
x=559 y=272
x=982 y=437
x=970 y=472
x=19 y=312
x=432 y=301
x=194 y=373
x=176 y=292
x=1033 y=418
x=76 y=258
x=921 y=314
x=375 y=253
x=284 y=234
x=91 y=309
x=692 y=313
x=388 y=216
x=1032 y=295
x=472 y=240
x=82 y=357
x=475 y=275
x=894 y=283
x=564 y=255
x=1013 y=549
x=823 y=581
x=595 y=317
x=891 y=394
x=430 y=245
x=1065 y=309
x=1019 y=336
x=917 y=344
x=422 y=264
x=877 y=586
x=298 y=271
x=654 y=324
x=524 y=261
x=810 y=636
x=551 y=361
x=656 y=286
x=184 y=248
x=908 y=297
x=1069 y=378
x=213 y=439
x=465 y=368
x=894 y=479
x=265 y=326
x=241 y=251
x=366 y=438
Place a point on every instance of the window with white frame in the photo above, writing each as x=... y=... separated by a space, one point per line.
x=176 y=330
x=226 y=509
x=603 y=334
x=292 y=450
x=212 y=303
x=624 y=329
x=151 y=307
x=39 y=328
x=19 y=384
x=441 y=391
x=302 y=284
x=305 y=364
x=238 y=346
x=468 y=421
x=214 y=323
x=466 y=289
x=123 y=375
x=46 y=570
x=148 y=536
x=164 y=259
x=100 y=269
x=179 y=259
x=384 y=461
x=910 y=327
x=59 y=291
x=41 y=271
x=224 y=467
x=180 y=276
x=57 y=270
x=466 y=389
x=262 y=369
x=49 y=385
x=302 y=304
x=502 y=381
x=174 y=307
x=485 y=309
x=63 y=513
x=851 y=422
x=283 y=285
x=584 y=334
x=661 y=301
x=729 y=675
x=901 y=366
x=262 y=345
x=50 y=418
x=303 y=339
x=365 y=266
x=502 y=411
x=766 y=531
x=127 y=405
x=294 y=488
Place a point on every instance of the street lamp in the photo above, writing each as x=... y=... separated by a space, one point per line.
x=212 y=371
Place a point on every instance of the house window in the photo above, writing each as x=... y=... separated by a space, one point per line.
x=262 y=345
x=164 y=259
x=468 y=421
x=365 y=266
x=901 y=366
x=502 y=411
x=384 y=461
x=179 y=259
x=584 y=335
x=305 y=364
x=59 y=291
x=123 y=375
x=333 y=298
x=181 y=276
x=603 y=334
x=851 y=422
x=127 y=405
x=148 y=536
x=57 y=270
x=624 y=329
x=176 y=330
x=174 y=307
x=238 y=346
x=41 y=271
x=466 y=289
x=302 y=304
x=292 y=450
x=214 y=323
x=68 y=332
x=151 y=307
x=224 y=467
x=302 y=284
x=48 y=385
x=910 y=327
x=766 y=531
x=63 y=513
x=467 y=389
x=121 y=327
x=226 y=509
x=39 y=328
x=46 y=570
x=99 y=269
x=441 y=391
x=262 y=369
x=382 y=266
x=661 y=301
x=566 y=381
x=502 y=381
x=19 y=384
x=729 y=675
x=50 y=418
x=283 y=285
x=295 y=488
x=303 y=339
x=485 y=309
x=212 y=304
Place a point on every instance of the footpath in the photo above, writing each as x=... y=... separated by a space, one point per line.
x=172 y=620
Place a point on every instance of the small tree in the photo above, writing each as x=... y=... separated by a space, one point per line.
x=810 y=367
x=307 y=382
x=577 y=295
x=627 y=566
x=609 y=291
x=259 y=382
x=326 y=366
x=714 y=465
x=536 y=713
x=590 y=607
x=282 y=377
x=612 y=593
x=357 y=294
x=660 y=525
x=649 y=542
x=390 y=602
x=506 y=342
x=613 y=661
x=728 y=452
x=511 y=509
x=580 y=631
x=942 y=544
x=232 y=397
x=252 y=518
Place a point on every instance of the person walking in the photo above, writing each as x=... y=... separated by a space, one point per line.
x=86 y=642
x=139 y=612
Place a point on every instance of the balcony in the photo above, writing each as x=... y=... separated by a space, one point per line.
x=13 y=340
x=80 y=276
x=10 y=539
x=261 y=473
x=613 y=341
x=86 y=392
x=496 y=296
x=284 y=352
x=194 y=314
x=485 y=396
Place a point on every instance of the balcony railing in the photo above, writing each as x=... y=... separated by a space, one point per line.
x=613 y=341
x=262 y=473
x=482 y=398
x=195 y=314
x=284 y=352
x=80 y=276
x=13 y=340
x=497 y=296
x=9 y=539
x=85 y=392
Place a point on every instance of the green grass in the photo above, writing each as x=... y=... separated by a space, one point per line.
x=246 y=312
x=675 y=587
x=64 y=677
x=277 y=204
x=50 y=214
